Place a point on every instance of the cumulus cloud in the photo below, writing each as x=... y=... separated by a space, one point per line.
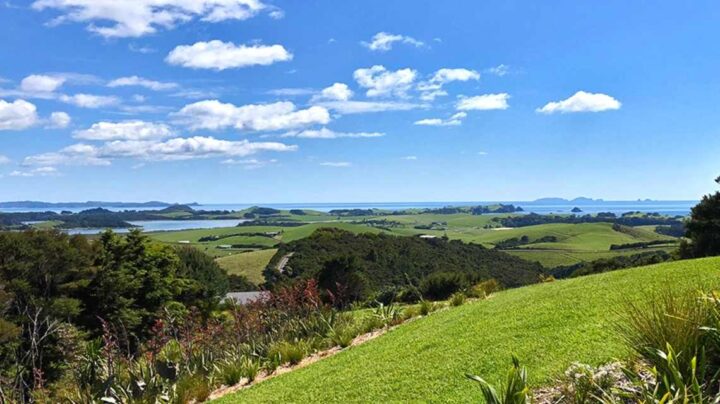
x=433 y=88
x=381 y=82
x=218 y=55
x=325 y=133
x=142 y=17
x=446 y=75
x=90 y=100
x=142 y=82
x=125 y=130
x=582 y=102
x=154 y=150
x=454 y=120
x=214 y=115
x=4 y=160
x=383 y=41
x=59 y=120
x=38 y=83
x=336 y=92
x=484 y=102
x=17 y=115
x=336 y=164
x=361 y=107
x=36 y=172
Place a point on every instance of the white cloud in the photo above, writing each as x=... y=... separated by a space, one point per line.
x=325 y=133
x=59 y=120
x=446 y=75
x=499 y=70
x=213 y=114
x=36 y=172
x=4 y=160
x=249 y=164
x=336 y=92
x=383 y=41
x=381 y=82
x=482 y=153
x=454 y=120
x=336 y=164
x=142 y=82
x=153 y=150
x=433 y=88
x=411 y=158
x=582 y=102
x=291 y=92
x=218 y=55
x=484 y=102
x=145 y=50
x=89 y=100
x=38 y=83
x=135 y=18
x=361 y=107
x=125 y=130
x=17 y=115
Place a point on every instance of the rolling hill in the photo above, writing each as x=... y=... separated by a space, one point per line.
x=548 y=326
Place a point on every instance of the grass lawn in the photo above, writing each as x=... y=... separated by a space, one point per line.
x=250 y=264
x=547 y=325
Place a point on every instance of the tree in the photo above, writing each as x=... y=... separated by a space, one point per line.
x=343 y=280
x=703 y=228
x=207 y=282
x=135 y=279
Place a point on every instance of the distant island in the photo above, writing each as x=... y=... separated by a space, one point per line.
x=88 y=204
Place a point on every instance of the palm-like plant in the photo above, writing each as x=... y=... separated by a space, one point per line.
x=515 y=391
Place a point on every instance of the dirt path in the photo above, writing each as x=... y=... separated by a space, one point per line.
x=283 y=262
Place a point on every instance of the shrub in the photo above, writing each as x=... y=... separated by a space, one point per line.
x=427 y=307
x=250 y=369
x=515 y=390
x=488 y=287
x=231 y=373
x=440 y=285
x=457 y=299
x=192 y=388
x=342 y=335
x=288 y=352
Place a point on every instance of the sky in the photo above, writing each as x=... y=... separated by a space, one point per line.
x=250 y=101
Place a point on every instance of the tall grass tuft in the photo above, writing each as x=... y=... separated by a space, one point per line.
x=673 y=319
x=457 y=299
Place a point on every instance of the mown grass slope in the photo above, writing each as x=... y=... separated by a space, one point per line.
x=548 y=326
x=250 y=264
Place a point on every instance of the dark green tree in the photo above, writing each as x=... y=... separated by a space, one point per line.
x=703 y=228
x=207 y=282
x=343 y=280
x=134 y=280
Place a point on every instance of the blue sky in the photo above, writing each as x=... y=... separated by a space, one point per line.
x=328 y=101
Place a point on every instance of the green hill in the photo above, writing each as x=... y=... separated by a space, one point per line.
x=548 y=326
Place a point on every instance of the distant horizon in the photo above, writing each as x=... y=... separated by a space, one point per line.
x=579 y=200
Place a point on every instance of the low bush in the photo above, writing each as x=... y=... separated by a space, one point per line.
x=288 y=352
x=440 y=285
x=457 y=299
x=487 y=287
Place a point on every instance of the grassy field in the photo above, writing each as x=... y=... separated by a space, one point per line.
x=575 y=242
x=250 y=264
x=548 y=326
